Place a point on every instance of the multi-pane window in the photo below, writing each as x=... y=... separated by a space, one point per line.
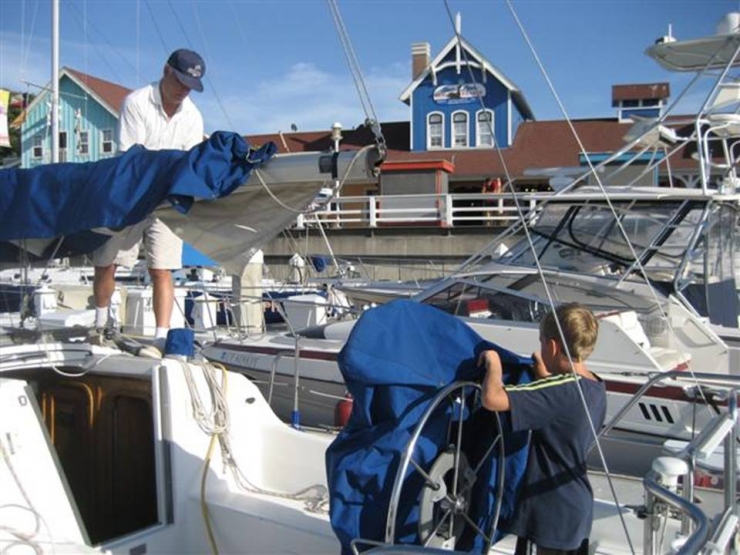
x=62 y=146
x=83 y=143
x=38 y=147
x=435 y=130
x=484 y=128
x=107 y=144
x=459 y=129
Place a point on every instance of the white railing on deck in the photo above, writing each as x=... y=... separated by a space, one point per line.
x=462 y=209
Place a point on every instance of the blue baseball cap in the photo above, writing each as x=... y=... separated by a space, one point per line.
x=189 y=68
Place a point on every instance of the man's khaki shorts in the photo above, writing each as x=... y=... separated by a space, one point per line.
x=162 y=247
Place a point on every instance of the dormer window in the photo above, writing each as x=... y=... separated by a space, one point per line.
x=435 y=130
x=484 y=128
x=459 y=129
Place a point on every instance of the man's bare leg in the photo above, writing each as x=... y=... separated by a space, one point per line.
x=104 y=284
x=163 y=299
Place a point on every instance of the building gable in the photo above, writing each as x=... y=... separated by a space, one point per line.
x=88 y=114
x=456 y=95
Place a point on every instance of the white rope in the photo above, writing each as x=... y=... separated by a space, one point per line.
x=216 y=420
x=24 y=538
x=315 y=497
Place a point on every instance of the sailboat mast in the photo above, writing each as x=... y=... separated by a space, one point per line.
x=54 y=117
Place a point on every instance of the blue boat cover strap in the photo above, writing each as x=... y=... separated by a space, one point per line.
x=395 y=361
x=71 y=199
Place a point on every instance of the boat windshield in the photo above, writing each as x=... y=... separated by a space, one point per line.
x=687 y=246
x=585 y=238
x=522 y=297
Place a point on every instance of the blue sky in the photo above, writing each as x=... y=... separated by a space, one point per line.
x=273 y=63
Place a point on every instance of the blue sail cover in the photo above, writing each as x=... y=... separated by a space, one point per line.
x=70 y=200
x=396 y=359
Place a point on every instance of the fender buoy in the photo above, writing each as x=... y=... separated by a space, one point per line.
x=342 y=410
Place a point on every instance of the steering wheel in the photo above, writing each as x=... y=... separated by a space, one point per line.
x=445 y=500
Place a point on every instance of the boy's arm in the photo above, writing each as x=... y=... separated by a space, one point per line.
x=494 y=396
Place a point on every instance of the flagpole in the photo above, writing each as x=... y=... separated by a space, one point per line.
x=55 y=81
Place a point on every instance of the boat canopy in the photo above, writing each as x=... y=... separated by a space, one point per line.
x=394 y=363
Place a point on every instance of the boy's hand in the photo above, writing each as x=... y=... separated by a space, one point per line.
x=491 y=362
x=539 y=368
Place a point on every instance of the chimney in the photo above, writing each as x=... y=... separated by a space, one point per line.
x=420 y=53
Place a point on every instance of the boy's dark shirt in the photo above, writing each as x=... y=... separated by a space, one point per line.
x=555 y=506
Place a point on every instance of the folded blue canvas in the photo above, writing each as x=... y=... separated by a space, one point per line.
x=70 y=199
x=395 y=361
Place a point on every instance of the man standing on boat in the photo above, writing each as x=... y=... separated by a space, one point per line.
x=158 y=116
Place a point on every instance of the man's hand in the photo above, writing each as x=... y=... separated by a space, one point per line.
x=494 y=396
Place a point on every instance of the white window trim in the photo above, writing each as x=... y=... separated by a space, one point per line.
x=509 y=121
x=63 y=146
x=103 y=142
x=442 y=129
x=453 y=135
x=85 y=143
x=479 y=128
x=35 y=145
x=412 y=141
x=660 y=106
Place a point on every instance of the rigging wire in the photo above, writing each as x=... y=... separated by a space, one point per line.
x=213 y=89
x=354 y=67
x=165 y=49
x=74 y=11
x=176 y=17
x=618 y=220
x=582 y=148
x=26 y=48
x=637 y=262
x=530 y=242
x=138 y=39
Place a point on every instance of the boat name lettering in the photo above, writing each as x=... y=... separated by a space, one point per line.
x=241 y=359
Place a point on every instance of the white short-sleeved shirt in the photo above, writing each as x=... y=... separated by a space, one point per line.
x=143 y=121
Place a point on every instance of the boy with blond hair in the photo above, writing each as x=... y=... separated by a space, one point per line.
x=563 y=407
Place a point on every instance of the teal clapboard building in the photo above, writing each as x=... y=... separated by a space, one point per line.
x=88 y=114
x=459 y=100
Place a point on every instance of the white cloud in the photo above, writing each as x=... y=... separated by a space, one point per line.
x=306 y=96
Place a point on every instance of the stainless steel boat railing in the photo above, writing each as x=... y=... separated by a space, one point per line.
x=699 y=534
